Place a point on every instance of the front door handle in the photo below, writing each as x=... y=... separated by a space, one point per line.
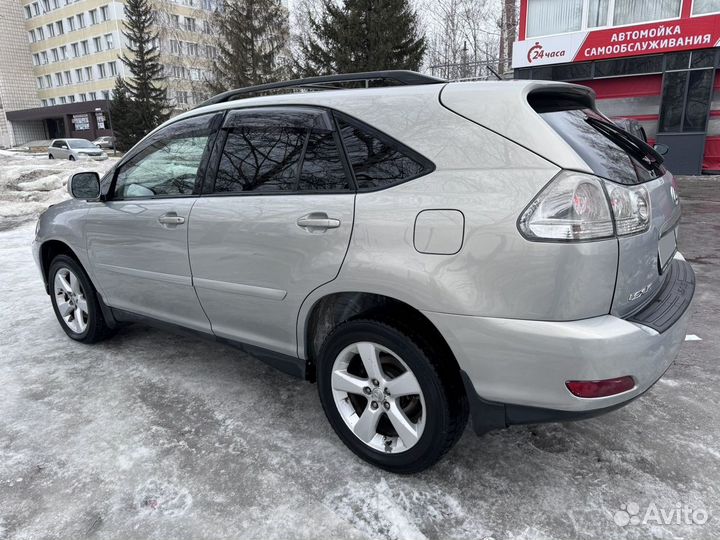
x=171 y=218
x=318 y=221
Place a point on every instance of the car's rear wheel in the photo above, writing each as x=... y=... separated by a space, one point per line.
x=71 y=158
x=75 y=301
x=50 y=156
x=387 y=396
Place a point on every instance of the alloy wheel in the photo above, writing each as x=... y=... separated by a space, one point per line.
x=70 y=300
x=378 y=397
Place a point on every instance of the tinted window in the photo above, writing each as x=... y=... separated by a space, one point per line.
x=322 y=166
x=609 y=151
x=673 y=95
x=375 y=161
x=167 y=164
x=260 y=159
x=698 y=100
x=58 y=144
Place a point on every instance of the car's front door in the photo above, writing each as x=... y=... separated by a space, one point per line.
x=137 y=239
x=275 y=224
x=60 y=150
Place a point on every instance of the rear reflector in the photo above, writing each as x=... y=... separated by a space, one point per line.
x=604 y=388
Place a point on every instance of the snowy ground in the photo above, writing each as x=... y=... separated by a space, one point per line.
x=31 y=182
x=151 y=435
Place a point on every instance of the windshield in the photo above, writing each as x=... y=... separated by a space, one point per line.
x=609 y=151
x=81 y=143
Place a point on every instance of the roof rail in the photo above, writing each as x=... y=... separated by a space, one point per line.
x=325 y=82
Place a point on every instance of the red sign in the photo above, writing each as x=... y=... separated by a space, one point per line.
x=678 y=35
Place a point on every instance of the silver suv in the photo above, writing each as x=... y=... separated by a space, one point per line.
x=425 y=252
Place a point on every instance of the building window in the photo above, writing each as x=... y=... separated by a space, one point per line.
x=175 y=47
x=40 y=33
x=545 y=17
x=175 y=20
x=97 y=43
x=85 y=47
x=36 y=59
x=44 y=102
x=46 y=5
x=108 y=41
x=192 y=48
x=63 y=100
x=636 y=11
x=93 y=96
x=50 y=30
x=701 y=7
x=106 y=94
x=206 y=27
x=101 y=71
x=56 y=4
x=40 y=83
x=189 y=24
x=68 y=77
x=181 y=97
x=89 y=73
x=36 y=8
x=31 y=36
x=58 y=79
x=83 y=97
x=48 y=81
x=81 y=20
x=63 y=52
x=70 y=24
x=71 y=99
x=93 y=16
x=44 y=57
x=79 y=75
x=28 y=12
x=104 y=13
x=60 y=28
x=55 y=55
x=75 y=49
x=113 y=68
x=52 y=101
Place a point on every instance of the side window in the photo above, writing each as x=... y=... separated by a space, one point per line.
x=58 y=144
x=168 y=163
x=378 y=161
x=259 y=158
x=279 y=150
x=322 y=168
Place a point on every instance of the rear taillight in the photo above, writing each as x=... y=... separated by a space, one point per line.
x=603 y=388
x=577 y=206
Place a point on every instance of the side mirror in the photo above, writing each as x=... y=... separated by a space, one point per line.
x=63 y=146
x=662 y=149
x=84 y=185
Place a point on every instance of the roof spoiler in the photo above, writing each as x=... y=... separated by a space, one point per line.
x=553 y=98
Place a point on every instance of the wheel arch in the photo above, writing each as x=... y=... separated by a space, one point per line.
x=332 y=309
x=50 y=249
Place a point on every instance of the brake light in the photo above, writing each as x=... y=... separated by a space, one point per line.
x=603 y=388
x=577 y=206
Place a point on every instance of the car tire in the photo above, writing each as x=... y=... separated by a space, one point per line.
x=431 y=420
x=50 y=156
x=75 y=301
x=71 y=158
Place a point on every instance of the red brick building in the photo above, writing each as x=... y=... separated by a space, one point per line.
x=650 y=60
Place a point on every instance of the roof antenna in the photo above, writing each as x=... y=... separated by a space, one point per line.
x=491 y=70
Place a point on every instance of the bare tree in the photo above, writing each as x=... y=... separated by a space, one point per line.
x=463 y=37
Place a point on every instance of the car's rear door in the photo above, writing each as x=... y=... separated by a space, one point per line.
x=60 y=149
x=274 y=224
x=137 y=239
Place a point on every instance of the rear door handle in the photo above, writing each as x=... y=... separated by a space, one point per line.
x=318 y=220
x=171 y=218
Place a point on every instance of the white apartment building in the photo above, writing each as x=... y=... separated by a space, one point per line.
x=70 y=59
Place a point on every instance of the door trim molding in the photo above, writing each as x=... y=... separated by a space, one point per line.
x=146 y=274
x=239 y=288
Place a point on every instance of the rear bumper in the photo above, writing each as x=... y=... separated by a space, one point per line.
x=515 y=370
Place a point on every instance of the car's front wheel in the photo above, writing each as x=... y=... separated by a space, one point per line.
x=50 y=156
x=75 y=301
x=388 y=396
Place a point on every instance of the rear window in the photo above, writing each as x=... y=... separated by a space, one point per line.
x=609 y=151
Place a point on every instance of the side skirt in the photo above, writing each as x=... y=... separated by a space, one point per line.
x=290 y=365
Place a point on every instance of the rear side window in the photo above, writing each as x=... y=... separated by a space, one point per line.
x=260 y=159
x=609 y=151
x=376 y=160
x=280 y=151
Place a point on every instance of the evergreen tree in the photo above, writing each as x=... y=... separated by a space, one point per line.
x=144 y=87
x=124 y=120
x=253 y=40
x=362 y=35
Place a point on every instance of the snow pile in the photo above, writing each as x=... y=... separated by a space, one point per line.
x=29 y=183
